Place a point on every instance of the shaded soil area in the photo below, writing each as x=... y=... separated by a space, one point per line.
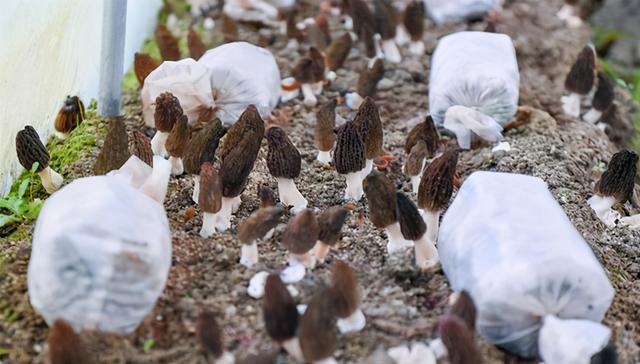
x=401 y=304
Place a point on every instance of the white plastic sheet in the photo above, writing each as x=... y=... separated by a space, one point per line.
x=442 y=11
x=506 y=241
x=229 y=78
x=102 y=250
x=478 y=71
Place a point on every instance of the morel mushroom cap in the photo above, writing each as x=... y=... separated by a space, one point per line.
x=330 y=224
x=436 y=185
x=202 y=146
x=414 y=164
x=143 y=65
x=386 y=19
x=315 y=34
x=364 y=24
x=140 y=146
x=307 y=70
x=283 y=158
x=381 y=196
x=412 y=225
x=209 y=334
x=619 y=178
x=249 y=122
x=70 y=115
x=178 y=138
x=459 y=340
x=338 y=51
x=210 y=197
x=30 y=149
x=168 y=112
x=266 y=196
x=370 y=127
x=605 y=93
x=292 y=31
x=237 y=165
x=229 y=29
x=301 y=233
x=608 y=355
x=279 y=310
x=259 y=223
x=369 y=78
x=65 y=346
x=195 y=45
x=414 y=20
x=318 y=58
x=465 y=309
x=582 y=74
x=325 y=126
x=167 y=43
x=349 y=155
x=344 y=286
x=427 y=132
x=318 y=334
x=115 y=150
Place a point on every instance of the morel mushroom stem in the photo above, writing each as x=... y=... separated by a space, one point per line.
x=51 y=180
x=354 y=189
x=426 y=252
x=324 y=157
x=176 y=166
x=571 y=104
x=397 y=243
x=416 y=47
x=355 y=322
x=431 y=218
x=391 y=51
x=368 y=167
x=292 y=346
x=402 y=37
x=307 y=259
x=219 y=221
x=196 y=189
x=249 y=254
x=310 y=99
x=320 y=251
x=290 y=196
x=353 y=100
x=158 y=143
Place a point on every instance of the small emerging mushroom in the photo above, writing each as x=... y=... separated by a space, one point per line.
x=65 y=346
x=330 y=224
x=462 y=306
x=209 y=198
x=413 y=228
x=615 y=186
x=344 y=287
x=459 y=340
x=143 y=65
x=367 y=84
x=167 y=43
x=415 y=164
x=115 y=150
x=177 y=143
x=70 y=115
x=209 y=335
x=30 y=150
x=301 y=236
x=281 y=316
x=602 y=99
x=325 y=136
x=436 y=188
x=195 y=45
x=284 y=163
x=414 y=23
x=317 y=333
x=579 y=81
x=367 y=120
x=382 y=200
x=266 y=196
x=336 y=54
x=140 y=146
x=168 y=112
x=254 y=228
x=349 y=159
x=386 y=19
x=202 y=148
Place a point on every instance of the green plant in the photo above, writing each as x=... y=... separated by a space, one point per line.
x=4 y=352
x=148 y=344
x=18 y=206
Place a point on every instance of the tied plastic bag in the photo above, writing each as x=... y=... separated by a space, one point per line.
x=443 y=11
x=533 y=278
x=227 y=78
x=102 y=249
x=478 y=72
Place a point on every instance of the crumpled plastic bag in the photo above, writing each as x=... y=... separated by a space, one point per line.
x=533 y=278
x=477 y=71
x=228 y=78
x=101 y=249
x=443 y=11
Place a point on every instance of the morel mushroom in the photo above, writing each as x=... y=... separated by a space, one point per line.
x=413 y=228
x=281 y=315
x=349 y=159
x=65 y=346
x=30 y=150
x=195 y=45
x=414 y=23
x=284 y=162
x=70 y=115
x=370 y=127
x=344 y=287
x=427 y=132
x=115 y=150
x=579 y=81
x=210 y=198
x=209 y=335
x=176 y=145
x=301 y=236
x=167 y=43
x=367 y=84
x=364 y=24
x=602 y=99
x=382 y=200
x=325 y=136
x=336 y=54
x=386 y=19
x=615 y=186
x=415 y=164
x=317 y=333
x=143 y=65
x=168 y=112
x=330 y=224
x=309 y=74
x=202 y=148
x=316 y=31
x=229 y=29
x=436 y=188
x=459 y=341
x=462 y=305
x=254 y=228
x=140 y=146
x=266 y=196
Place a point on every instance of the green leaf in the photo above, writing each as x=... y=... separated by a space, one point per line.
x=23 y=186
x=35 y=166
x=148 y=344
x=4 y=352
x=7 y=219
x=33 y=209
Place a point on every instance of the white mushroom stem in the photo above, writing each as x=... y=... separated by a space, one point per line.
x=397 y=243
x=353 y=100
x=249 y=254
x=219 y=221
x=416 y=47
x=310 y=99
x=306 y=259
x=348 y=22
x=438 y=348
x=292 y=346
x=426 y=253
x=415 y=183
x=330 y=75
x=592 y=116
x=290 y=196
x=391 y=51
x=432 y=219
x=601 y=205
x=571 y=104
x=317 y=88
x=155 y=186
x=176 y=166
x=51 y=180
x=235 y=203
x=354 y=189
x=330 y=360
x=324 y=157
x=632 y=221
x=294 y=272
x=379 y=53
x=196 y=189
x=158 y=143
x=225 y=358
x=402 y=37
x=368 y=167
x=320 y=251
x=354 y=323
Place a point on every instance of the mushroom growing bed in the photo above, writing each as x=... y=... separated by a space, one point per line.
x=401 y=304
